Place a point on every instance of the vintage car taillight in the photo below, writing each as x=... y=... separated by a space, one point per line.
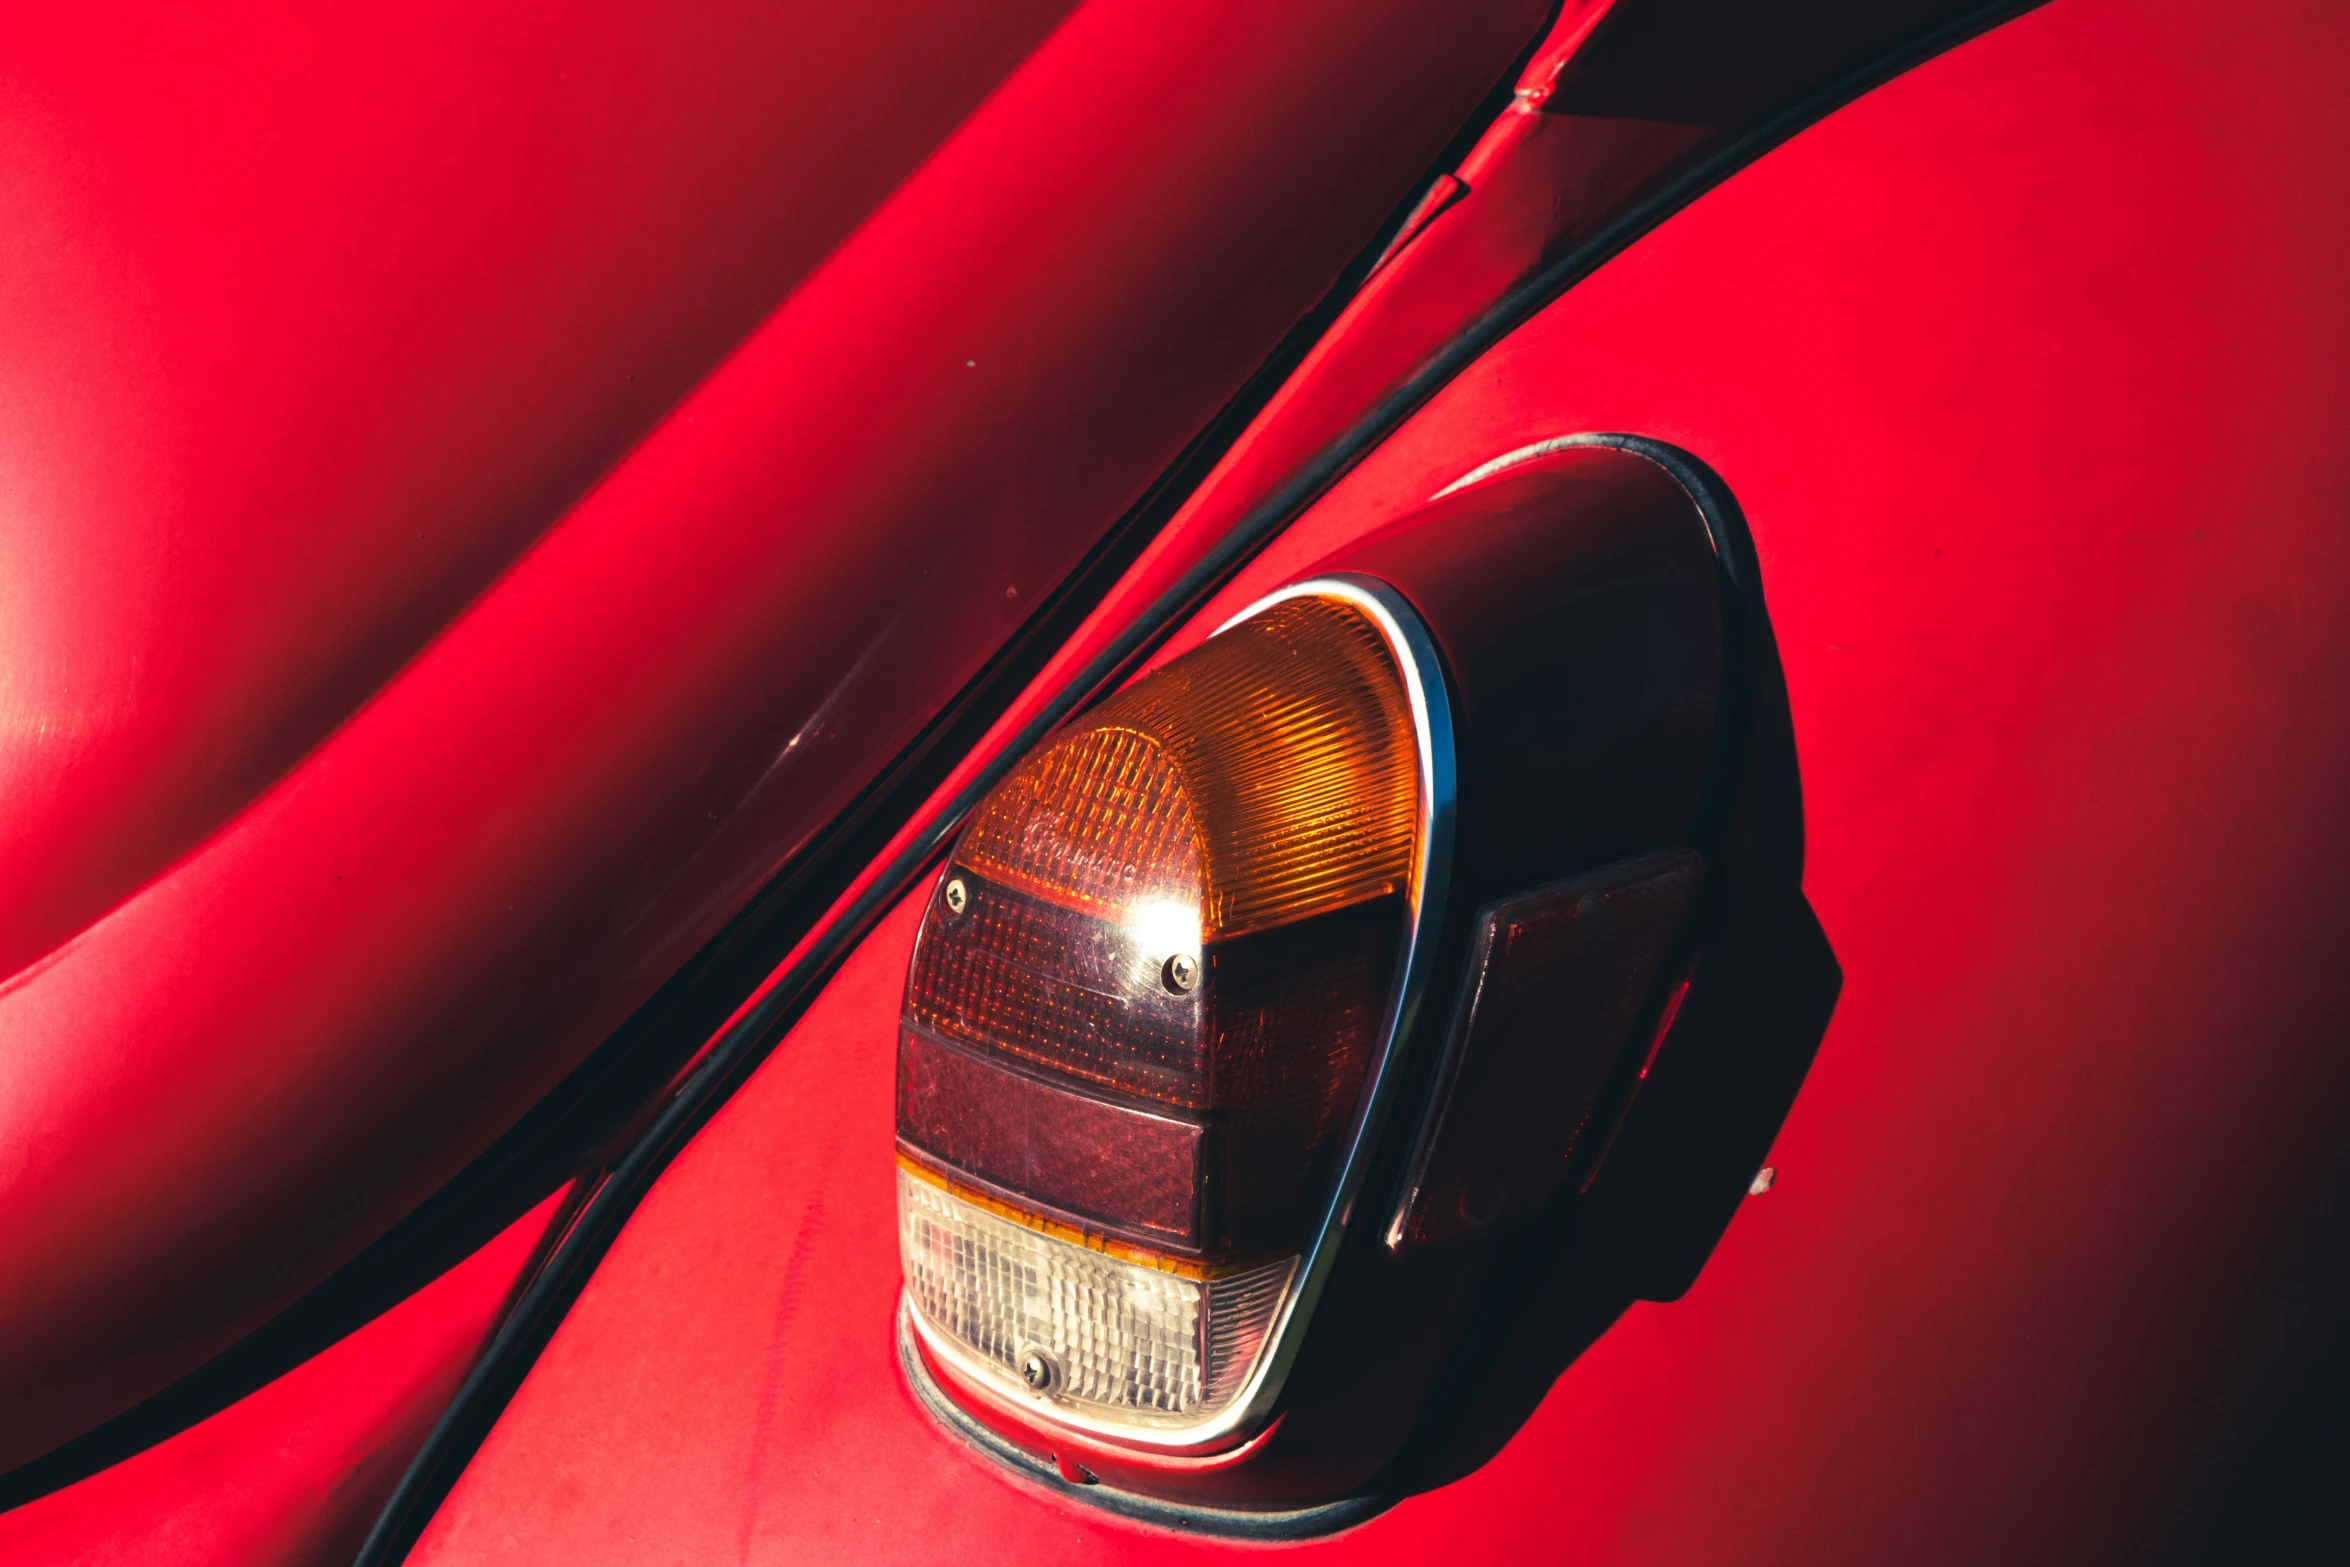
x=1158 y=974
x=1304 y=1048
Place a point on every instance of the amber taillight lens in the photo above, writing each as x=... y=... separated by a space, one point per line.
x=1150 y=983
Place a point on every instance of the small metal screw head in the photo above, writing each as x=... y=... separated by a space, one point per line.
x=1037 y=1369
x=958 y=896
x=1181 y=973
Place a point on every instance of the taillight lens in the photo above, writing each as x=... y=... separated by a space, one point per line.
x=1154 y=980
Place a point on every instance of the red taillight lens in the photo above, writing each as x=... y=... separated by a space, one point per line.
x=1152 y=980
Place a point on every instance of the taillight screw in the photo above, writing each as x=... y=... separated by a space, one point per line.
x=958 y=896
x=1036 y=1369
x=1181 y=973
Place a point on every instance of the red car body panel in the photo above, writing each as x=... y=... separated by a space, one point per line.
x=395 y=697
x=314 y=322
x=294 y=1473
x=266 y=1055
x=2027 y=370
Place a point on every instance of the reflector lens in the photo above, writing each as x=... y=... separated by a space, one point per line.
x=1092 y=1159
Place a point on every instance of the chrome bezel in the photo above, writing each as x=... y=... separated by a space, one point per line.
x=1414 y=651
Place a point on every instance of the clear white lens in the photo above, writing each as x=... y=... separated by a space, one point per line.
x=1041 y=1317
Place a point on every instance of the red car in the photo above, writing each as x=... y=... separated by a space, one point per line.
x=1085 y=781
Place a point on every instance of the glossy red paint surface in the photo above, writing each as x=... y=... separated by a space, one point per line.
x=249 y=1069
x=310 y=322
x=2027 y=370
x=290 y=1475
x=1610 y=108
